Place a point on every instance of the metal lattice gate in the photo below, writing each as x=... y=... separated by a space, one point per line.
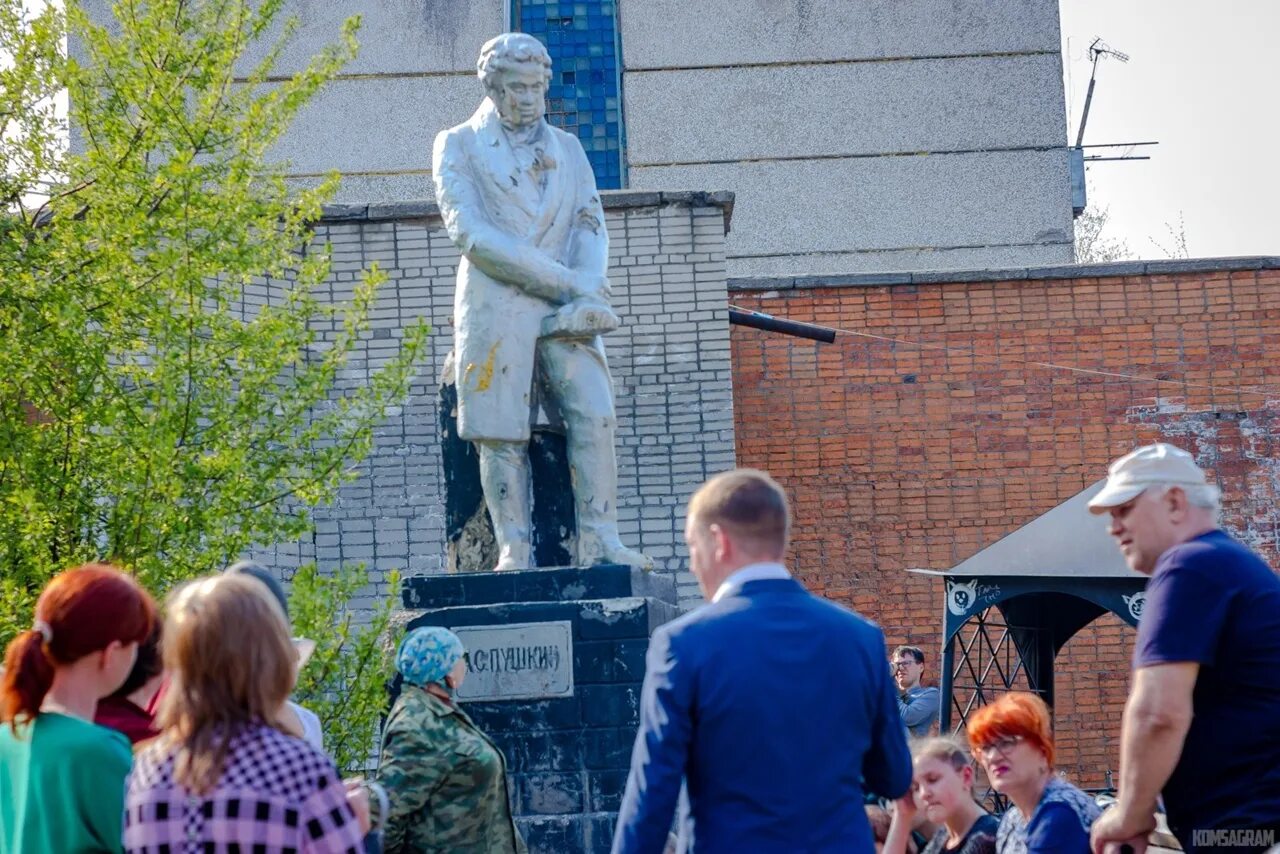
x=983 y=660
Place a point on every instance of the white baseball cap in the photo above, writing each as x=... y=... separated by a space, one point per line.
x=1132 y=474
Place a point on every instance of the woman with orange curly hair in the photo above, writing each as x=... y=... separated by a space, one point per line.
x=61 y=775
x=1011 y=740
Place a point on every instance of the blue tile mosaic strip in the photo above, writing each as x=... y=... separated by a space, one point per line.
x=584 y=96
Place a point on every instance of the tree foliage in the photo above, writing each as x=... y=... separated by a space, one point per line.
x=166 y=399
x=1093 y=244
x=345 y=681
x=1174 y=243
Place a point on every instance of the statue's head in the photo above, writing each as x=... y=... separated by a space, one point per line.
x=516 y=69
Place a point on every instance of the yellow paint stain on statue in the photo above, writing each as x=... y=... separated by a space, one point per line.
x=485 y=376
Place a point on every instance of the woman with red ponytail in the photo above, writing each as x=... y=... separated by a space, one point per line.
x=61 y=775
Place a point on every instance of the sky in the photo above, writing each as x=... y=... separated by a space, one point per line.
x=1203 y=79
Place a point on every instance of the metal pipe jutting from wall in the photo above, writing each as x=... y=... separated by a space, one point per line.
x=769 y=323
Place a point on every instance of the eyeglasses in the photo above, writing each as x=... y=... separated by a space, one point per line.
x=1003 y=744
x=900 y=664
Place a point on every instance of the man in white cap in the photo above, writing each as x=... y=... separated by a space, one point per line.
x=1202 y=722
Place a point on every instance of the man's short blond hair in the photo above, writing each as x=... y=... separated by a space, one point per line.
x=749 y=506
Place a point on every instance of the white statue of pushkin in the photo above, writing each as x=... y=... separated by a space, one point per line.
x=519 y=200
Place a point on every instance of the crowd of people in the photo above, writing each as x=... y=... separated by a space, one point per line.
x=768 y=719
x=789 y=769
x=126 y=731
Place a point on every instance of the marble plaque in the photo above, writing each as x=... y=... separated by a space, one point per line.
x=519 y=661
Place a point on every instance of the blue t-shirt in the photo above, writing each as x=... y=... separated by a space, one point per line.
x=1059 y=825
x=1212 y=601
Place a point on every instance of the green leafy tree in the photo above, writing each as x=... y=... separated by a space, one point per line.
x=345 y=681
x=166 y=399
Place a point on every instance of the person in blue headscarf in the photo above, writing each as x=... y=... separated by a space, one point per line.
x=446 y=780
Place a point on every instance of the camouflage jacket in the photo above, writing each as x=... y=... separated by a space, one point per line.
x=446 y=781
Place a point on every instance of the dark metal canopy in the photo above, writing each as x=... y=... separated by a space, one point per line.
x=1011 y=607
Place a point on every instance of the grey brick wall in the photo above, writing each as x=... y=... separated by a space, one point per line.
x=670 y=365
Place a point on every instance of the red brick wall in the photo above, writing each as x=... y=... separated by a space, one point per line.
x=901 y=456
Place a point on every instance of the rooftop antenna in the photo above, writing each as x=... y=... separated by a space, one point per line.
x=1097 y=50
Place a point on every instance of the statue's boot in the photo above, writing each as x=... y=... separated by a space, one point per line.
x=594 y=490
x=504 y=476
x=596 y=546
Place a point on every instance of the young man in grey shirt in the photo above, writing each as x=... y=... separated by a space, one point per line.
x=918 y=704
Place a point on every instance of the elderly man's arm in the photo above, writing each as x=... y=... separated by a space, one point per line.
x=490 y=249
x=1156 y=719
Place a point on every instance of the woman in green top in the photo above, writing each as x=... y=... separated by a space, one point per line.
x=61 y=775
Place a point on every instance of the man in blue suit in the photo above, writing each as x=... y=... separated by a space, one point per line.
x=773 y=706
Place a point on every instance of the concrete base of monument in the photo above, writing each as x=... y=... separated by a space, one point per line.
x=557 y=658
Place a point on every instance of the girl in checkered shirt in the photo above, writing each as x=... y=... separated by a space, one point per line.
x=222 y=776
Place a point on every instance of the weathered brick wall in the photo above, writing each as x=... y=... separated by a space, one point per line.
x=669 y=361
x=901 y=456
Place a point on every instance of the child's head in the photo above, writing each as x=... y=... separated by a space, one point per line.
x=943 y=778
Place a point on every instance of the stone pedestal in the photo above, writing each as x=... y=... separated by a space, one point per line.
x=557 y=659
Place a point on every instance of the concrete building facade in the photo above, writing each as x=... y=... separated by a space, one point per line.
x=870 y=136
x=857 y=136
